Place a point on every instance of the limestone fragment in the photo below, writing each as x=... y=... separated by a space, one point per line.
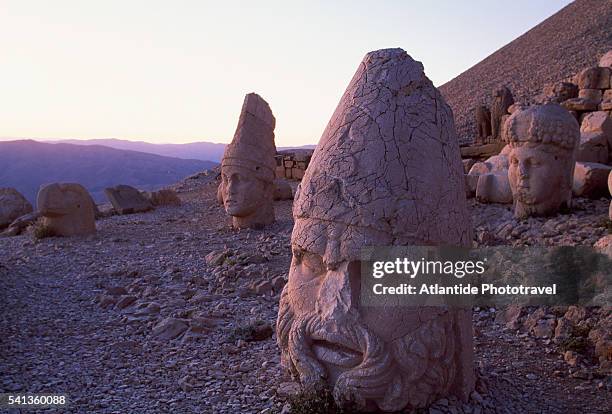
x=163 y=197
x=386 y=171
x=591 y=179
x=127 y=200
x=67 y=209
x=12 y=206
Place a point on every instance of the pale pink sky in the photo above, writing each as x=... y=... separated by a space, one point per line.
x=177 y=71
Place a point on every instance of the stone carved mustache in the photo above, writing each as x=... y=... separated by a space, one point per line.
x=404 y=373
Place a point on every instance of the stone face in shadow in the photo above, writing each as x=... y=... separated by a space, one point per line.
x=543 y=141
x=247 y=169
x=387 y=171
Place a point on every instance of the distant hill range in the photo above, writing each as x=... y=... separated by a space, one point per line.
x=206 y=151
x=26 y=164
x=570 y=40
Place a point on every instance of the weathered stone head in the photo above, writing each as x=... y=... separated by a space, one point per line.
x=67 y=209
x=543 y=141
x=387 y=171
x=247 y=168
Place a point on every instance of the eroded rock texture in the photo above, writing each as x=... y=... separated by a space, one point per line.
x=544 y=141
x=387 y=171
x=247 y=168
x=127 y=200
x=502 y=100
x=483 y=124
x=12 y=206
x=67 y=209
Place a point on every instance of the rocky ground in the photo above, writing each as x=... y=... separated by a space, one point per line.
x=570 y=40
x=172 y=311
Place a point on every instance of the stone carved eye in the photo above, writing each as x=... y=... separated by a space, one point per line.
x=314 y=262
x=297 y=254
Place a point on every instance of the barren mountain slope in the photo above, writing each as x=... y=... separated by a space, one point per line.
x=573 y=38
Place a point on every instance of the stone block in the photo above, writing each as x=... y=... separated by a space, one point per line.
x=591 y=179
x=594 y=78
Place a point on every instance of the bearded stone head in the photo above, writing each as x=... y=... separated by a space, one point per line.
x=386 y=172
x=543 y=141
x=247 y=168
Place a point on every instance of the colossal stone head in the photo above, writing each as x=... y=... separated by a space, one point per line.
x=67 y=209
x=543 y=141
x=247 y=168
x=386 y=172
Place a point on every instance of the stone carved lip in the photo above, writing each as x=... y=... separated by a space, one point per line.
x=330 y=351
x=54 y=212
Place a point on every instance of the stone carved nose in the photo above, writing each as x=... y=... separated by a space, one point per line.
x=335 y=300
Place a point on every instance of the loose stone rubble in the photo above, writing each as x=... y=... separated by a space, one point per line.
x=247 y=168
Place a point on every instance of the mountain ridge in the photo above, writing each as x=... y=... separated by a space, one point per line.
x=27 y=164
x=554 y=50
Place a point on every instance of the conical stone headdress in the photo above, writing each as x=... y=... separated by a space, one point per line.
x=387 y=168
x=253 y=144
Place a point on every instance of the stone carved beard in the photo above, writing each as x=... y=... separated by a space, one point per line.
x=410 y=371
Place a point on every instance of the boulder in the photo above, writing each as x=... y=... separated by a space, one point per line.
x=606 y=60
x=591 y=179
x=594 y=78
x=560 y=91
x=12 y=206
x=599 y=122
x=494 y=188
x=593 y=147
x=282 y=190
x=580 y=104
x=126 y=199
x=67 y=209
x=19 y=225
x=169 y=328
x=164 y=197
x=594 y=95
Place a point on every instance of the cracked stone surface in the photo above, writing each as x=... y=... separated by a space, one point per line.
x=247 y=168
x=386 y=171
x=543 y=141
x=67 y=209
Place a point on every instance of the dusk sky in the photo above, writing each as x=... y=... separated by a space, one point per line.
x=177 y=71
